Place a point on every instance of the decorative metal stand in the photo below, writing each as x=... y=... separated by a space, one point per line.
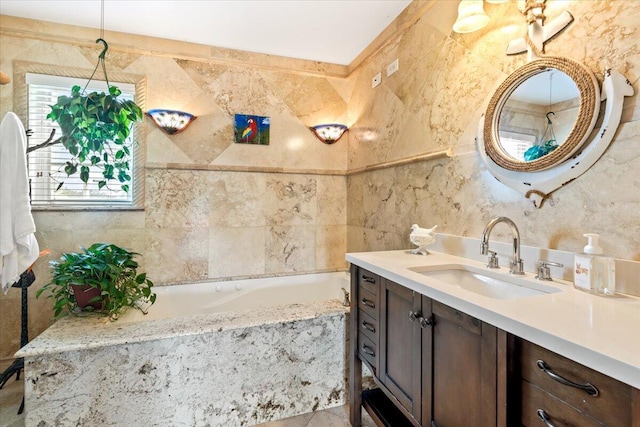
x=26 y=279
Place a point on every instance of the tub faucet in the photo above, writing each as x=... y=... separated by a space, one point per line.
x=346 y=301
x=517 y=265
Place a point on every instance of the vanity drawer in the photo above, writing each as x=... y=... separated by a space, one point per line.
x=556 y=412
x=368 y=326
x=368 y=302
x=368 y=281
x=612 y=403
x=368 y=352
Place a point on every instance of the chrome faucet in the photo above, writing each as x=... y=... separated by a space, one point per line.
x=517 y=264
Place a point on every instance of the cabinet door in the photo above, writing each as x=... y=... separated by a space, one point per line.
x=400 y=345
x=464 y=369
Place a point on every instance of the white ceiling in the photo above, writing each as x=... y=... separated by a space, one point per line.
x=548 y=87
x=333 y=31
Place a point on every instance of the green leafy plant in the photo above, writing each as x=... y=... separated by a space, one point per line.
x=103 y=266
x=92 y=125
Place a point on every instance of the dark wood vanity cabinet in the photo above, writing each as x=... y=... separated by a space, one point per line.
x=404 y=316
x=434 y=365
x=464 y=369
x=552 y=390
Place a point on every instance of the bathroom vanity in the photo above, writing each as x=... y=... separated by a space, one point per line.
x=446 y=351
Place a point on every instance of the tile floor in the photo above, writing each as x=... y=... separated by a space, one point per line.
x=334 y=417
x=11 y=396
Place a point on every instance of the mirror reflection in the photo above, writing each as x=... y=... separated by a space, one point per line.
x=539 y=115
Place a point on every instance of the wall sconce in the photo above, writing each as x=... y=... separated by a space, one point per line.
x=471 y=16
x=329 y=133
x=171 y=121
x=4 y=78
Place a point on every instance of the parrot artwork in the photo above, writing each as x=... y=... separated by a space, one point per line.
x=251 y=131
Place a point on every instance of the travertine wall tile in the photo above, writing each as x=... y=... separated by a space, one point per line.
x=331 y=245
x=176 y=199
x=177 y=254
x=315 y=101
x=453 y=76
x=236 y=251
x=237 y=199
x=331 y=192
x=290 y=248
x=290 y=200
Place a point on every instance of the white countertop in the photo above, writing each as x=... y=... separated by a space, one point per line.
x=602 y=333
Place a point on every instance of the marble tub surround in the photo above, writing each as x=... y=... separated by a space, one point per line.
x=188 y=371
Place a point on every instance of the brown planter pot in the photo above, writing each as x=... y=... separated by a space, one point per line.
x=84 y=294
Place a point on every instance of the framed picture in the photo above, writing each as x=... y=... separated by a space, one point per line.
x=251 y=129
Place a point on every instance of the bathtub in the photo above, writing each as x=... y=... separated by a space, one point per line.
x=235 y=295
x=233 y=353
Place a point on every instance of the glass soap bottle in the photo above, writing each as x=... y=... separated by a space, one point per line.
x=593 y=271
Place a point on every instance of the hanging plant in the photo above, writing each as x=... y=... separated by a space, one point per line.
x=90 y=124
x=95 y=127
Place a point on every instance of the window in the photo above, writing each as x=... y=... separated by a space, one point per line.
x=515 y=143
x=46 y=165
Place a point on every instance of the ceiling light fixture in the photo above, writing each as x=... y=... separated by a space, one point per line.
x=471 y=16
x=329 y=133
x=171 y=121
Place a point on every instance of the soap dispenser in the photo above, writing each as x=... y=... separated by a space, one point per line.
x=593 y=271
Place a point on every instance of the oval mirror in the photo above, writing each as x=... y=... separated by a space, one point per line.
x=541 y=114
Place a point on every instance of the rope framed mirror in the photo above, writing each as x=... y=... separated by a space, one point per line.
x=541 y=148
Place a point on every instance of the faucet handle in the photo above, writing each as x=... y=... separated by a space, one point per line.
x=544 y=272
x=517 y=267
x=493 y=261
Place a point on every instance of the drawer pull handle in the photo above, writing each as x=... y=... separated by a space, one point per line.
x=545 y=418
x=589 y=388
x=368 y=303
x=368 y=326
x=368 y=279
x=368 y=350
x=414 y=315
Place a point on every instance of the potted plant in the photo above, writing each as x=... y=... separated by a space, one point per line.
x=102 y=278
x=91 y=125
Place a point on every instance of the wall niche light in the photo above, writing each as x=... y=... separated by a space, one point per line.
x=171 y=121
x=329 y=133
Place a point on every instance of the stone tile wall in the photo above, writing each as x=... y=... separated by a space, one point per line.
x=435 y=101
x=212 y=209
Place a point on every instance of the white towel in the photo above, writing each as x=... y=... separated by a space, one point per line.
x=18 y=246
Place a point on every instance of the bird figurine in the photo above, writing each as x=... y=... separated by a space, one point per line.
x=422 y=237
x=250 y=132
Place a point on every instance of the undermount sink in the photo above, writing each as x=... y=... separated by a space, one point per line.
x=483 y=282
